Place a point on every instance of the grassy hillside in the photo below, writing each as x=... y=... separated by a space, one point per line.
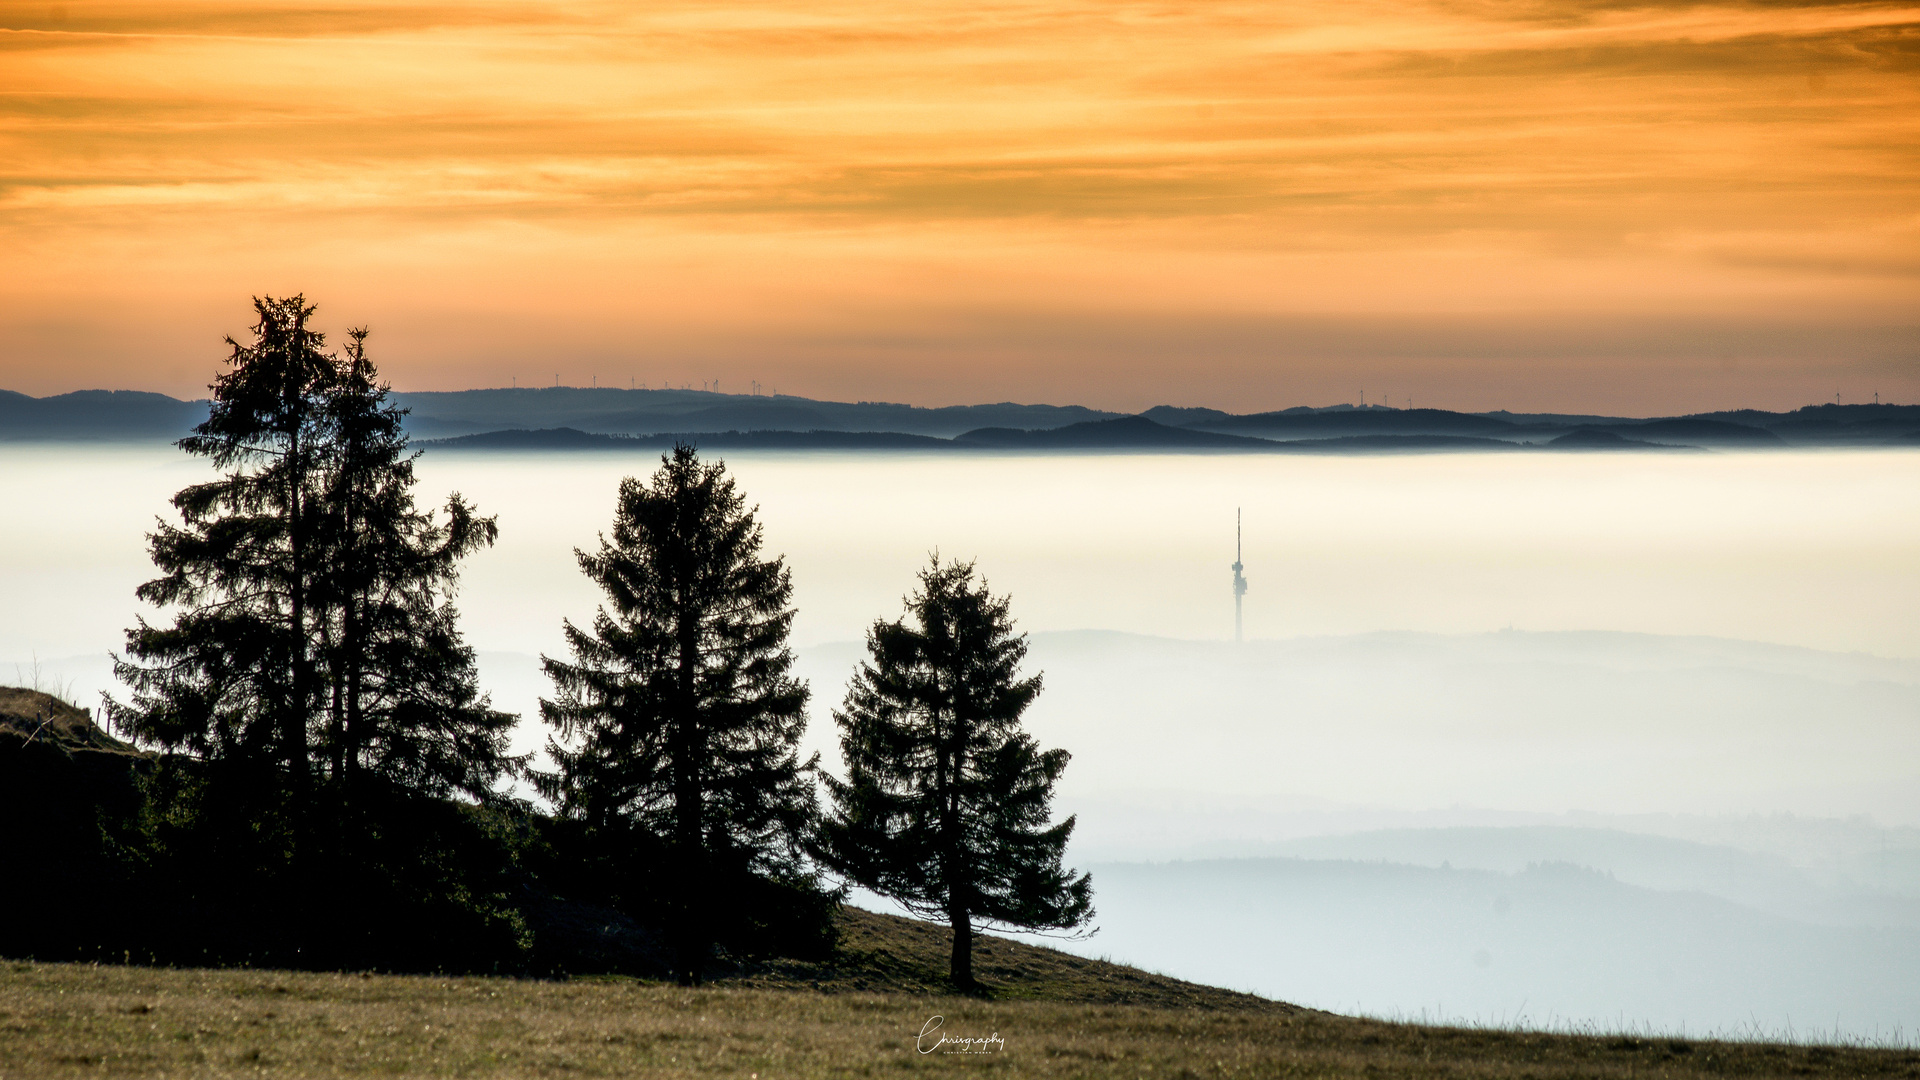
x=887 y=954
x=1049 y=1015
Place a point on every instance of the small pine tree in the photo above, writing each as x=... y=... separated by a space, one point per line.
x=946 y=801
x=678 y=719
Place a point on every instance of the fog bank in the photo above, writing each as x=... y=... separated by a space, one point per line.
x=1623 y=739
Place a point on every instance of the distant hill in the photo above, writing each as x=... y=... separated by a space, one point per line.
x=1860 y=425
x=1546 y=941
x=1698 y=429
x=97 y=415
x=1124 y=433
x=1399 y=444
x=1127 y=433
x=654 y=412
x=1334 y=423
x=1813 y=425
x=526 y=418
x=1587 y=438
x=1764 y=881
x=574 y=439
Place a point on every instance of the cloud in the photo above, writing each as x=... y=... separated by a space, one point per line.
x=78 y=19
x=1225 y=160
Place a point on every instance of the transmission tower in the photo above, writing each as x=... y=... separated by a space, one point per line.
x=1239 y=581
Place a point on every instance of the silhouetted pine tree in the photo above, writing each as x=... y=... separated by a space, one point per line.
x=678 y=720
x=318 y=637
x=946 y=800
x=403 y=702
x=232 y=681
x=315 y=642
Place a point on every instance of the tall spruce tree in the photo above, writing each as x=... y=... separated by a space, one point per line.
x=232 y=681
x=316 y=638
x=678 y=721
x=946 y=803
x=403 y=700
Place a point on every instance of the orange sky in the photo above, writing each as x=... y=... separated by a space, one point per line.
x=1531 y=205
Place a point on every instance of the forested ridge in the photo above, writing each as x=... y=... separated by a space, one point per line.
x=653 y=418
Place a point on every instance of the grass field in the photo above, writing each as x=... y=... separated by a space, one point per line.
x=1049 y=1015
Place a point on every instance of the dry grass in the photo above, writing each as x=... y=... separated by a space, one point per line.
x=36 y=716
x=888 y=954
x=72 y=1020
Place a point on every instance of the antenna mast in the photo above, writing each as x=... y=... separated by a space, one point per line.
x=1239 y=582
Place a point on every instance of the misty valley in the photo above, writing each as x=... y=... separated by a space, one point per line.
x=1592 y=742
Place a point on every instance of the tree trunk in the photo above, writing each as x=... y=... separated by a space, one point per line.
x=960 y=967
x=347 y=755
x=956 y=867
x=352 y=734
x=688 y=826
x=293 y=730
x=337 y=716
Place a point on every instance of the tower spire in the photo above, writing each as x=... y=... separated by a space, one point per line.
x=1239 y=582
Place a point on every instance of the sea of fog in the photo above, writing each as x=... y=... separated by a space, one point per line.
x=1614 y=740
